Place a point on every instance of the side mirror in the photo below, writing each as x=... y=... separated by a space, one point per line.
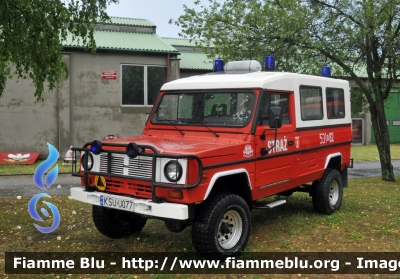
x=275 y=117
x=274 y=120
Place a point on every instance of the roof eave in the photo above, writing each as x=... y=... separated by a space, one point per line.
x=123 y=49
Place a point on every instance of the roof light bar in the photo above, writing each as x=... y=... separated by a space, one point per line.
x=243 y=66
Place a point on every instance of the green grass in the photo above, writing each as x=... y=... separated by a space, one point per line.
x=29 y=169
x=368 y=221
x=370 y=152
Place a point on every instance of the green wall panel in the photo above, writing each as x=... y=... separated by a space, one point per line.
x=392 y=110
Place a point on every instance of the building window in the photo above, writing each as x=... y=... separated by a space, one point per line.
x=311 y=103
x=141 y=84
x=335 y=103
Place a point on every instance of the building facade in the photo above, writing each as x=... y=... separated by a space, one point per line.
x=109 y=92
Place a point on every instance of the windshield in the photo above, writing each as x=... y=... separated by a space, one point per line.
x=216 y=109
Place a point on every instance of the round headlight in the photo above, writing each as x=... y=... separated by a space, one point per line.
x=89 y=161
x=173 y=171
x=95 y=147
x=132 y=150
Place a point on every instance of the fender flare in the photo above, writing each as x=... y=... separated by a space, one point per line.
x=217 y=175
x=333 y=155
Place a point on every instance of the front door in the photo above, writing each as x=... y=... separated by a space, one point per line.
x=275 y=158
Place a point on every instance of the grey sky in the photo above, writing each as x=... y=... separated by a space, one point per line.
x=158 y=12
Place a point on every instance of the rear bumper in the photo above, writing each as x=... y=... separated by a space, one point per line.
x=140 y=206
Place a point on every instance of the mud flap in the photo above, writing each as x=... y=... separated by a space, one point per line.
x=345 y=177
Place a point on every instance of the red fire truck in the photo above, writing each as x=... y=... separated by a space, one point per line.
x=215 y=144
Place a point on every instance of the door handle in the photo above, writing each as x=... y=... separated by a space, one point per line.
x=290 y=142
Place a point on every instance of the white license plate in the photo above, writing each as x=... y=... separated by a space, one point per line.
x=116 y=203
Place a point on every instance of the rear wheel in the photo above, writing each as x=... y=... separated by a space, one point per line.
x=328 y=192
x=222 y=225
x=117 y=223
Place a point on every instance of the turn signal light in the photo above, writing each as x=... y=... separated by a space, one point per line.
x=175 y=194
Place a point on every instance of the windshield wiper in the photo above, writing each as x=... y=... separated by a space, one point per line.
x=170 y=122
x=202 y=124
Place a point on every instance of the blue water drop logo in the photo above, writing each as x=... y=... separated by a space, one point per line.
x=44 y=166
x=34 y=214
x=38 y=178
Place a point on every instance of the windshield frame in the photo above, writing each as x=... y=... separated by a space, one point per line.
x=178 y=121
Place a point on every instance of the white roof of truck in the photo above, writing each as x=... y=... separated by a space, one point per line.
x=267 y=80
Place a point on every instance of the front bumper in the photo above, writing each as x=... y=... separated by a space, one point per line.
x=123 y=170
x=140 y=206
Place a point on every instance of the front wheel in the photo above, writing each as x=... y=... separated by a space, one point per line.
x=328 y=192
x=116 y=223
x=222 y=225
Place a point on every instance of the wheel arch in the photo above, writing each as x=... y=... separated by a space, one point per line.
x=334 y=161
x=234 y=181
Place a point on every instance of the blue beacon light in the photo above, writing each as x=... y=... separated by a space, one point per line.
x=269 y=63
x=326 y=71
x=96 y=147
x=218 y=65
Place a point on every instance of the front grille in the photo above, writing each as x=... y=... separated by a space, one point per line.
x=129 y=188
x=139 y=167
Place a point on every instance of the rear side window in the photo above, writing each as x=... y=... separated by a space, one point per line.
x=311 y=103
x=335 y=103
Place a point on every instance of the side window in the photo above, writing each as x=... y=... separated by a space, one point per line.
x=335 y=103
x=280 y=100
x=311 y=103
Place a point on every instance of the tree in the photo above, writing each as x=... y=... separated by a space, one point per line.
x=31 y=35
x=358 y=102
x=348 y=35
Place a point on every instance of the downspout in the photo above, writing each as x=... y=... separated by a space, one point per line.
x=168 y=68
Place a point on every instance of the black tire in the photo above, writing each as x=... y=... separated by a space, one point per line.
x=328 y=192
x=116 y=223
x=221 y=225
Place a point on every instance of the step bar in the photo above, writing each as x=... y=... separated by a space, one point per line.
x=270 y=205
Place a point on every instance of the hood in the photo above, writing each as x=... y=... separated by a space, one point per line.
x=202 y=147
